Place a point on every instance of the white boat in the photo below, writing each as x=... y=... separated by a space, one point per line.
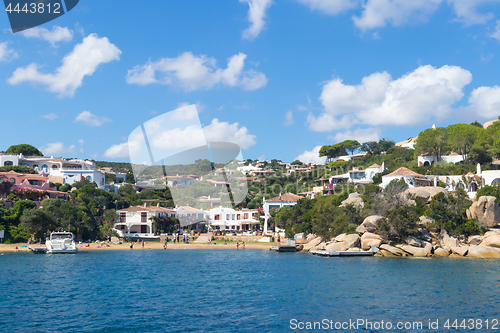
x=61 y=242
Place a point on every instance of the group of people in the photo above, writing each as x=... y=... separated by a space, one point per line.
x=242 y=246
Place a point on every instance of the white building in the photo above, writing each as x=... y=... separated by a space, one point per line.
x=222 y=218
x=136 y=221
x=248 y=169
x=285 y=200
x=178 y=182
x=190 y=218
x=409 y=144
x=411 y=178
x=429 y=159
x=59 y=170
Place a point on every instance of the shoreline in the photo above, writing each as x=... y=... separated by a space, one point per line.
x=4 y=248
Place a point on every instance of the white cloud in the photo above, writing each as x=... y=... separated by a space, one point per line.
x=329 y=6
x=90 y=119
x=360 y=134
x=311 y=156
x=82 y=61
x=50 y=116
x=187 y=137
x=288 y=118
x=225 y=132
x=57 y=148
x=6 y=53
x=495 y=34
x=256 y=14
x=193 y=73
x=117 y=151
x=413 y=99
x=378 y=13
x=81 y=141
x=58 y=34
x=484 y=102
x=466 y=11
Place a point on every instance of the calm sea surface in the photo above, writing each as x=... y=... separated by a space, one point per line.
x=239 y=291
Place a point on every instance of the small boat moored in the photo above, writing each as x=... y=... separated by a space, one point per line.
x=325 y=253
x=61 y=242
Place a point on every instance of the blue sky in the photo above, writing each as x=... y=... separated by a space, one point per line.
x=301 y=73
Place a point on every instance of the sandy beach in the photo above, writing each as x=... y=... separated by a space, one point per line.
x=4 y=248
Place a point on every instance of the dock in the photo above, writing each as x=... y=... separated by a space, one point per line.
x=284 y=248
x=325 y=253
x=38 y=249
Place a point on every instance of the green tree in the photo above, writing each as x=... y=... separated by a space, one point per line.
x=462 y=137
x=25 y=149
x=399 y=222
x=376 y=148
x=433 y=141
x=350 y=145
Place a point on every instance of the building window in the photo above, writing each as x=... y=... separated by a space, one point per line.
x=233 y=217
x=54 y=167
x=8 y=163
x=35 y=166
x=79 y=168
x=144 y=217
x=245 y=216
x=89 y=178
x=26 y=165
x=34 y=182
x=74 y=168
x=45 y=167
x=217 y=217
x=238 y=217
x=123 y=217
x=12 y=180
x=227 y=216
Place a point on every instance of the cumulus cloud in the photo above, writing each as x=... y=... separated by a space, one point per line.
x=82 y=61
x=311 y=156
x=484 y=102
x=184 y=138
x=6 y=53
x=50 y=116
x=57 y=34
x=289 y=118
x=90 y=119
x=361 y=135
x=191 y=72
x=378 y=13
x=57 y=148
x=219 y=131
x=413 y=99
x=117 y=151
x=256 y=14
x=329 y=6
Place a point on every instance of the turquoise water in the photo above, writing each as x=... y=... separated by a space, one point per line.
x=237 y=291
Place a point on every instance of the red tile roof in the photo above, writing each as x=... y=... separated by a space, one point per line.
x=287 y=197
x=374 y=166
x=404 y=172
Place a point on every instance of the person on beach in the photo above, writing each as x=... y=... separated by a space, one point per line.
x=131 y=245
x=243 y=245
x=237 y=246
x=16 y=249
x=142 y=243
x=225 y=243
x=165 y=244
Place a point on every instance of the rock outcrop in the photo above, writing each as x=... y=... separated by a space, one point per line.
x=336 y=247
x=493 y=241
x=369 y=224
x=352 y=240
x=370 y=239
x=391 y=250
x=481 y=251
x=475 y=240
x=414 y=241
x=446 y=240
x=439 y=252
x=425 y=193
x=311 y=244
x=460 y=250
x=486 y=211
x=354 y=199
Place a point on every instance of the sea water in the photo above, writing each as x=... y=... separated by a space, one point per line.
x=243 y=291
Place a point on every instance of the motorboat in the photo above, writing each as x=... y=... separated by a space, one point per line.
x=61 y=242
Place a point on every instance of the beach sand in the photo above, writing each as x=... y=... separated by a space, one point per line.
x=138 y=247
